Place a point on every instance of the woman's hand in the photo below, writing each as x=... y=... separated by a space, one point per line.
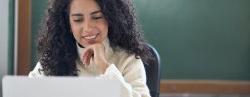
x=97 y=53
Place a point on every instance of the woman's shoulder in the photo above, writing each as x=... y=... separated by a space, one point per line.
x=123 y=57
x=37 y=71
x=121 y=54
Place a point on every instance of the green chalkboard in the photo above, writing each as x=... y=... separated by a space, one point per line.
x=199 y=39
x=196 y=39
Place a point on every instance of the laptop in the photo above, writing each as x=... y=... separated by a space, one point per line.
x=22 y=86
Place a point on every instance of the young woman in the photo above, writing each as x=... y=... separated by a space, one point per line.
x=97 y=38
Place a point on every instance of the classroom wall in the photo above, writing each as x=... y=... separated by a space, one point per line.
x=4 y=8
x=196 y=39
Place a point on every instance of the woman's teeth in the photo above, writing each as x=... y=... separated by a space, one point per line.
x=90 y=37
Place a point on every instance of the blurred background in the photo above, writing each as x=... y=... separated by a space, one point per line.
x=204 y=44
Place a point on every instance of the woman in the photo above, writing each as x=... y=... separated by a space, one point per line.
x=97 y=38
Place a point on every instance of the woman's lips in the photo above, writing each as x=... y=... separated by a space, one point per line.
x=90 y=37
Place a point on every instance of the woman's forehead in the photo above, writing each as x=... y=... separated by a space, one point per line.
x=84 y=6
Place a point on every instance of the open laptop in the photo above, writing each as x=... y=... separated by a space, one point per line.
x=20 y=86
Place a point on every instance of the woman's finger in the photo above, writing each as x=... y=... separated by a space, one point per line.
x=87 y=54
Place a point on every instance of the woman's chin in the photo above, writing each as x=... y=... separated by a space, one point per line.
x=87 y=43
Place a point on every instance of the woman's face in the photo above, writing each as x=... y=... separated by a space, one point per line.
x=87 y=22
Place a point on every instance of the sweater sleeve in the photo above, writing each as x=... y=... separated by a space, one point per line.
x=132 y=80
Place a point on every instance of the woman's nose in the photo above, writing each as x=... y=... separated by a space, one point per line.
x=88 y=26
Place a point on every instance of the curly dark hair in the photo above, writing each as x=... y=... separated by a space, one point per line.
x=57 y=50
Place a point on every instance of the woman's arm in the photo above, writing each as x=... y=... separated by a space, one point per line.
x=133 y=78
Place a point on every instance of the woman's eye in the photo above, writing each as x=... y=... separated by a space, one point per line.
x=77 y=20
x=96 y=18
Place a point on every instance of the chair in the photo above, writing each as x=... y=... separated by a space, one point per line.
x=153 y=72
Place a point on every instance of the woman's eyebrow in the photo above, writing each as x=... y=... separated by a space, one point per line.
x=77 y=14
x=92 y=13
x=95 y=12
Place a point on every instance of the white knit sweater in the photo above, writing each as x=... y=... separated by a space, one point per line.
x=125 y=68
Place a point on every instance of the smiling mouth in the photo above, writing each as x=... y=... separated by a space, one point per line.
x=91 y=37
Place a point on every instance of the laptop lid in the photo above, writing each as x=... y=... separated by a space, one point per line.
x=20 y=86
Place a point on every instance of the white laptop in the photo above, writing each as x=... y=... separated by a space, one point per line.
x=20 y=86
